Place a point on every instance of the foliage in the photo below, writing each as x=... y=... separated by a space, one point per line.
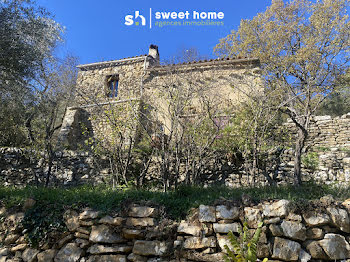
x=310 y=160
x=41 y=223
x=303 y=47
x=254 y=131
x=336 y=104
x=28 y=37
x=244 y=247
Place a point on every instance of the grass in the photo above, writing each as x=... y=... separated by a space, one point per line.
x=177 y=203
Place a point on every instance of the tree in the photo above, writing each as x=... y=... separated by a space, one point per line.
x=55 y=86
x=28 y=36
x=186 y=55
x=303 y=47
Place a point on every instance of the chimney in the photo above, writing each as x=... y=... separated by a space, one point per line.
x=153 y=55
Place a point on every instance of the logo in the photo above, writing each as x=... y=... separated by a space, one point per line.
x=129 y=19
x=176 y=18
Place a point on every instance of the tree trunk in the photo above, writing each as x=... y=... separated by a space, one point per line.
x=299 y=145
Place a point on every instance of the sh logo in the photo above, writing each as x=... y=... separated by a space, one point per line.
x=129 y=19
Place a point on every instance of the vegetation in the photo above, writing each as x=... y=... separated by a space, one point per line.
x=303 y=47
x=244 y=248
x=310 y=160
x=177 y=203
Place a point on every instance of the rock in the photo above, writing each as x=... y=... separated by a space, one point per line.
x=81 y=235
x=71 y=220
x=200 y=256
x=47 y=255
x=340 y=218
x=225 y=228
x=294 y=230
x=253 y=216
x=142 y=211
x=285 y=249
x=273 y=220
x=313 y=219
x=294 y=217
x=276 y=209
x=19 y=247
x=322 y=118
x=64 y=240
x=132 y=233
x=223 y=212
x=69 y=253
x=3 y=211
x=83 y=230
x=199 y=242
x=29 y=255
x=327 y=200
x=4 y=251
x=315 y=250
x=82 y=243
x=304 y=256
x=101 y=249
x=115 y=221
x=190 y=229
x=276 y=230
x=346 y=203
x=107 y=258
x=86 y=223
x=206 y=214
x=150 y=248
x=335 y=246
x=263 y=250
x=11 y=239
x=103 y=234
x=140 y=222
x=222 y=241
x=88 y=214
x=314 y=233
x=136 y=258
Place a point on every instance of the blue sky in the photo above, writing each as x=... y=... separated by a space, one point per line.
x=95 y=29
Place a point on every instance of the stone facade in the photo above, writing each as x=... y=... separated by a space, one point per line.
x=139 y=234
x=141 y=82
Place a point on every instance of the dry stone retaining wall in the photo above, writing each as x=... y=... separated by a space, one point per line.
x=139 y=234
x=329 y=141
x=22 y=167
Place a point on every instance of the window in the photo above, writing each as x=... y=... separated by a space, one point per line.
x=112 y=85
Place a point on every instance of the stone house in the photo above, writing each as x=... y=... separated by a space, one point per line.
x=136 y=90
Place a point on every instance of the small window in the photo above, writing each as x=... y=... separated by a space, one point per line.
x=112 y=85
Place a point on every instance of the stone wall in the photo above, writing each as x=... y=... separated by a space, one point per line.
x=318 y=232
x=329 y=143
x=22 y=167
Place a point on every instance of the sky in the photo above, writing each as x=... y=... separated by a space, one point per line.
x=96 y=29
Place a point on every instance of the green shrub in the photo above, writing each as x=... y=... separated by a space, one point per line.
x=310 y=161
x=42 y=222
x=244 y=247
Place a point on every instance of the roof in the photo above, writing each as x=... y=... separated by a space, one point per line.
x=218 y=61
x=111 y=62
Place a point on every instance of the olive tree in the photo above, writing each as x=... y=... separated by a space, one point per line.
x=28 y=37
x=303 y=48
